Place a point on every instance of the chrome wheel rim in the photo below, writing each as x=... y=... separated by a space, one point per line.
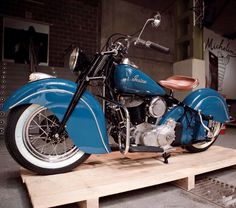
x=215 y=129
x=39 y=142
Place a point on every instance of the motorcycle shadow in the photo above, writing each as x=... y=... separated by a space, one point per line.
x=132 y=160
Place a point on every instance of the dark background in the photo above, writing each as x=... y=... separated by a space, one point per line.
x=71 y=21
x=12 y=37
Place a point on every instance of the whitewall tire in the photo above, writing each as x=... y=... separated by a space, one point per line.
x=29 y=142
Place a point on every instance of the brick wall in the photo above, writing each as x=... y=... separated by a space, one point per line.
x=71 y=21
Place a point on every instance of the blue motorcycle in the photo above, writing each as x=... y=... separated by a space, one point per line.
x=55 y=124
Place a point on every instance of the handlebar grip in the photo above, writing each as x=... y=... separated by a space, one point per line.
x=152 y=45
x=158 y=47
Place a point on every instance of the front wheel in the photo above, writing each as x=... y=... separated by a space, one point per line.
x=202 y=146
x=29 y=139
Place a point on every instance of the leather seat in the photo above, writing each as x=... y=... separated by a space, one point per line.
x=182 y=83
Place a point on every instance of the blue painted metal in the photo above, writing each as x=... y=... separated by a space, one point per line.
x=175 y=113
x=128 y=79
x=192 y=128
x=178 y=114
x=209 y=102
x=86 y=126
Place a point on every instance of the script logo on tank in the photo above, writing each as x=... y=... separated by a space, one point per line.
x=139 y=80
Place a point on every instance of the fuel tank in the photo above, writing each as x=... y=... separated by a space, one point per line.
x=129 y=79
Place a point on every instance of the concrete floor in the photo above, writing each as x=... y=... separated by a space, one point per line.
x=13 y=193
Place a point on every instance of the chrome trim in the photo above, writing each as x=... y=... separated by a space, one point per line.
x=59 y=90
x=104 y=95
x=127 y=145
x=95 y=78
x=128 y=62
x=38 y=76
x=99 y=130
x=204 y=126
x=113 y=51
x=197 y=106
x=152 y=103
x=73 y=58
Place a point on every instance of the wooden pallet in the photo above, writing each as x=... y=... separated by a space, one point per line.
x=104 y=175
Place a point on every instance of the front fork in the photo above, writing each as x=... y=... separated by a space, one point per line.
x=97 y=64
x=78 y=94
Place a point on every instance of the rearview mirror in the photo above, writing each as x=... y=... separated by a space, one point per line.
x=156 y=20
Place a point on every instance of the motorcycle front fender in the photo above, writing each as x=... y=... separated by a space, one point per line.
x=86 y=126
x=210 y=103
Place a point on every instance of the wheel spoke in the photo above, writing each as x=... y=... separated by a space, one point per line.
x=41 y=143
x=216 y=126
x=34 y=139
x=40 y=127
x=36 y=126
x=48 y=119
x=42 y=148
x=54 y=149
x=64 y=142
x=40 y=136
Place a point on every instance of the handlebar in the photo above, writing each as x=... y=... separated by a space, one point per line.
x=152 y=45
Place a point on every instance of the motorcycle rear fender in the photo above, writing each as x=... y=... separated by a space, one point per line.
x=86 y=126
x=175 y=113
x=210 y=103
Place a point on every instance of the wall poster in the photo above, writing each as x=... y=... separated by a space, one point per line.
x=220 y=59
x=24 y=40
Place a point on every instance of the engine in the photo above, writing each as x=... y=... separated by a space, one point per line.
x=155 y=135
x=140 y=110
x=157 y=107
x=145 y=116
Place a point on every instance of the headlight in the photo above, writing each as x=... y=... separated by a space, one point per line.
x=73 y=58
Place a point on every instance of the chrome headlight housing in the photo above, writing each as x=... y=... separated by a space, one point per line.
x=78 y=61
x=73 y=58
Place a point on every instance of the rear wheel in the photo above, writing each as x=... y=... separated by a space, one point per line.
x=32 y=142
x=202 y=146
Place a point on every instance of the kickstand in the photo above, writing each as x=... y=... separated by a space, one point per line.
x=166 y=157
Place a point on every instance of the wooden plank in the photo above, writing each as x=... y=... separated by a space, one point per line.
x=186 y=183
x=90 y=203
x=104 y=175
